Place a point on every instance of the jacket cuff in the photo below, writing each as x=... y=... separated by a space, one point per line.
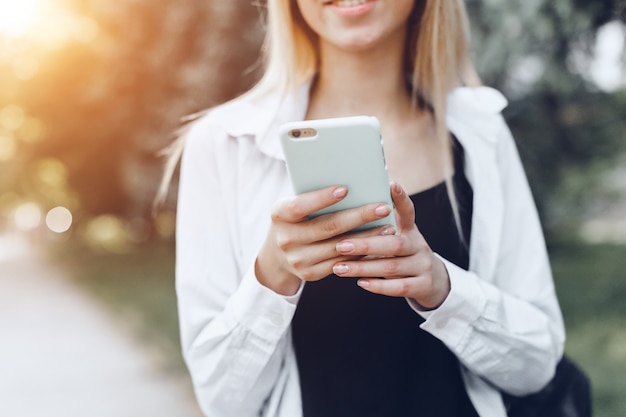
x=264 y=312
x=453 y=320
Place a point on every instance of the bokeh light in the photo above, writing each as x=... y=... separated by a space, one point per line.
x=51 y=172
x=27 y=216
x=59 y=219
x=598 y=231
x=107 y=232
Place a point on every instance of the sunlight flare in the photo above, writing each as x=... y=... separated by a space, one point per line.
x=17 y=17
x=42 y=23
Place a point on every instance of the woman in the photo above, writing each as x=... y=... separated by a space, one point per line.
x=466 y=309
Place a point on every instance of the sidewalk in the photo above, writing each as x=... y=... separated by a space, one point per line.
x=62 y=355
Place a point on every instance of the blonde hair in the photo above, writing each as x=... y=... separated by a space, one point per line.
x=436 y=59
x=439 y=30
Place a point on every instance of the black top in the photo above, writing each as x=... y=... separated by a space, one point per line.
x=362 y=354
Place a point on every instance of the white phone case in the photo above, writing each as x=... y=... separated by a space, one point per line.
x=340 y=151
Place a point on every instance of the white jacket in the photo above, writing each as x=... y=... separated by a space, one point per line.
x=501 y=319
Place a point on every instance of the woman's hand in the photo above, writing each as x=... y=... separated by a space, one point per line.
x=404 y=260
x=298 y=248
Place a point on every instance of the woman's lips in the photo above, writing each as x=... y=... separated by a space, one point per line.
x=346 y=3
x=351 y=7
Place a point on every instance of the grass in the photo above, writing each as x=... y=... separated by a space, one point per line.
x=591 y=285
x=590 y=282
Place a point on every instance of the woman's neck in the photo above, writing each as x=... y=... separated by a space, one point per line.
x=368 y=82
x=374 y=84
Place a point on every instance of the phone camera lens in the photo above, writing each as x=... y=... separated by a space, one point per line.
x=296 y=133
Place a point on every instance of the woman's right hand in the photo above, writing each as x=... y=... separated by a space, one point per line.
x=298 y=248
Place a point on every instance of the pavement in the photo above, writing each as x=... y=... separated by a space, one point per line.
x=62 y=354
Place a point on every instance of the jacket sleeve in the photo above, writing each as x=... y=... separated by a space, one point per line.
x=234 y=331
x=507 y=328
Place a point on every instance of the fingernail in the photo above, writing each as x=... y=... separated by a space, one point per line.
x=341 y=269
x=388 y=231
x=345 y=247
x=363 y=284
x=340 y=192
x=382 y=210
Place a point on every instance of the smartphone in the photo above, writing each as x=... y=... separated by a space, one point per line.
x=339 y=151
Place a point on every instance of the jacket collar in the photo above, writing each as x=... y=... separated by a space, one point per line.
x=259 y=115
x=264 y=113
x=475 y=108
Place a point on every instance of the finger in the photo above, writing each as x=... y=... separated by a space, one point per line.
x=306 y=256
x=394 y=267
x=297 y=208
x=404 y=207
x=300 y=252
x=398 y=245
x=336 y=224
x=320 y=270
x=402 y=287
x=328 y=249
x=387 y=230
x=420 y=289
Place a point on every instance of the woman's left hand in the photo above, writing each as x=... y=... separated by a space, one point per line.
x=409 y=267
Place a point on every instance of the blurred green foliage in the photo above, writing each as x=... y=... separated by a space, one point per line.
x=591 y=288
x=569 y=131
